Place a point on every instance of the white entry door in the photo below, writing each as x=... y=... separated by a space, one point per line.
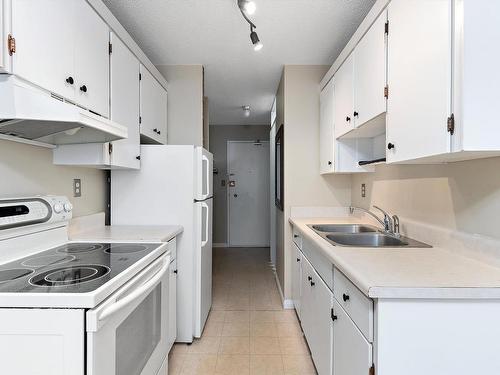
x=248 y=193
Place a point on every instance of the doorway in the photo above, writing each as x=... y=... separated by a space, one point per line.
x=248 y=199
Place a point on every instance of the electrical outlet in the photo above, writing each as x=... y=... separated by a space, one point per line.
x=363 y=190
x=77 y=187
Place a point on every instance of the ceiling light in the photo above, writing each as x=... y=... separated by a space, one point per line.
x=250 y=7
x=246 y=110
x=257 y=44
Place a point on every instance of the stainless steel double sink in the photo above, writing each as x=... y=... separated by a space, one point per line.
x=362 y=235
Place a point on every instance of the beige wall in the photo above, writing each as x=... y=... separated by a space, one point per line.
x=219 y=135
x=185 y=103
x=304 y=186
x=27 y=170
x=463 y=195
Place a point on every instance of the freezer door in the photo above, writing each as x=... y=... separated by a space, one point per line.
x=203 y=274
x=203 y=174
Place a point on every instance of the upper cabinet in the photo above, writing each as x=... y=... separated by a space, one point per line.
x=3 y=47
x=326 y=129
x=62 y=46
x=153 y=109
x=344 y=98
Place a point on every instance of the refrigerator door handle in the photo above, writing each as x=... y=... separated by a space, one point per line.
x=204 y=240
x=207 y=179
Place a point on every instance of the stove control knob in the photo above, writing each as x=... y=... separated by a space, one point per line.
x=58 y=208
x=68 y=207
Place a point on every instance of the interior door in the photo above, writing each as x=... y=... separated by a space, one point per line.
x=326 y=129
x=92 y=60
x=125 y=104
x=344 y=121
x=45 y=44
x=370 y=73
x=419 y=78
x=248 y=194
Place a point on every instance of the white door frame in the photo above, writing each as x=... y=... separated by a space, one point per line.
x=227 y=189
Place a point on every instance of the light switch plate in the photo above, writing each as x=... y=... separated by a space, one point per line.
x=77 y=187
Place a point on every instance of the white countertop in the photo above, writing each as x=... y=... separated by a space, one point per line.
x=406 y=272
x=128 y=233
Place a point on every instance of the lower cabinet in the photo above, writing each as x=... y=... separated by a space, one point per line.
x=352 y=353
x=296 y=270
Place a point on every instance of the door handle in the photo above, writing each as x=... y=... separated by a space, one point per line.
x=204 y=241
x=207 y=171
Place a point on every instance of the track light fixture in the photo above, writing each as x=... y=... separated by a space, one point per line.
x=246 y=110
x=248 y=7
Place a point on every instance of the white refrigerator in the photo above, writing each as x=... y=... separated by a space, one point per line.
x=174 y=187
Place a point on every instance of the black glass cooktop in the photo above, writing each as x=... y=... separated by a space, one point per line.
x=75 y=267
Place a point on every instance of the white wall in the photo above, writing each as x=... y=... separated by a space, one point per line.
x=464 y=196
x=185 y=103
x=304 y=186
x=27 y=170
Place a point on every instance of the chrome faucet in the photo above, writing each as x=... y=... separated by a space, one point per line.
x=391 y=225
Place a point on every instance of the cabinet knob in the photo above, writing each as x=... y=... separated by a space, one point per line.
x=390 y=146
x=295 y=236
x=313 y=283
x=356 y=114
x=175 y=271
x=348 y=119
x=334 y=317
x=309 y=278
x=70 y=80
x=83 y=88
x=159 y=132
x=329 y=162
x=155 y=130
x=298 y=259
x=345 y=297
x=138 y=157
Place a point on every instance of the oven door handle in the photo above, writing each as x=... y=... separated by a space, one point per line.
x=108 y=311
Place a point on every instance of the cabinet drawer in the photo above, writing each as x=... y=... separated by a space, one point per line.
x=297 y=238
x=321 y=264
x=356 y=304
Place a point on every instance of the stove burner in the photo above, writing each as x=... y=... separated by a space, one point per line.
x=124 y=249
x=14 y=273
x=48 y=260
x=69 y=275
x=72 y=248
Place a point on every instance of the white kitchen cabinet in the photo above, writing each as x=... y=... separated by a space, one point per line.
x=296 y=277
x=44 y=31
x=419 y=79
x=352 y=353
x=172 y=304
x=344 y=101
x=4 y=54
x=370 y=75
x=91 y=60
x=153 y=109
x=326 y=129
x=306 y=308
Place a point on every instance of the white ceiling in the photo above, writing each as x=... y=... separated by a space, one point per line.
x=214 y=34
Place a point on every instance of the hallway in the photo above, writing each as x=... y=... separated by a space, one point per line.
x=247 y=332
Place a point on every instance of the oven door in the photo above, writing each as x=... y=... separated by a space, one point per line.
x=127 y=334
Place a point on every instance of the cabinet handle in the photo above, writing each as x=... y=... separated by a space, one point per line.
x=348 y=119
x=159 y=132
x=329 y=162
x=83 y=88
x=70 y=80
x=138 y=157
x=345 y=297
x=309 y=278
x=175 y=271
x=313 y=283
x=390 y=146
x=155 y=130
x=356 y=114
x=295 y=236
x=298 y=259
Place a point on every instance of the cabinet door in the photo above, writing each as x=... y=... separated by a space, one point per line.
x=45 y=43
x=91 y=60
x=306 y=309
x=296 y=279
x=352 y=353
x=344 y=121
x=172 y=304
x=125 y=104
x=322 y=336
x=419 y=78
x=153 y=108
x=3 y=50
x=370 y=73
x=326 y=129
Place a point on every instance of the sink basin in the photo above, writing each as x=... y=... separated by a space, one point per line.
x=343 y=228
x=372 y=240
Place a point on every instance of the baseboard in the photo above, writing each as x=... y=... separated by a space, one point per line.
x=287 y=303
x=219 y=245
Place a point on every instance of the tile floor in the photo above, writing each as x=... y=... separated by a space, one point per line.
x=247 y=332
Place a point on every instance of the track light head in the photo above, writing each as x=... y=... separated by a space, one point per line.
x=257 y=44
x=246 y=110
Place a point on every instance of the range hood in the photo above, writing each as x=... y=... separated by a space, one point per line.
x=31 y=113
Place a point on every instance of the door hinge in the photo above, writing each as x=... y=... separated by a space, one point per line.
x=450 y=124
x=333 y=316
x=11 y=44
x=386 y=28
x=371 y=371
x=110 y=148
x=110 y=48
x=140 y=76
x=386 y=92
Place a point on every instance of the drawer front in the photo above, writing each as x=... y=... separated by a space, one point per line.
x=297 y=238
x=356 y=304
x=321 y=264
